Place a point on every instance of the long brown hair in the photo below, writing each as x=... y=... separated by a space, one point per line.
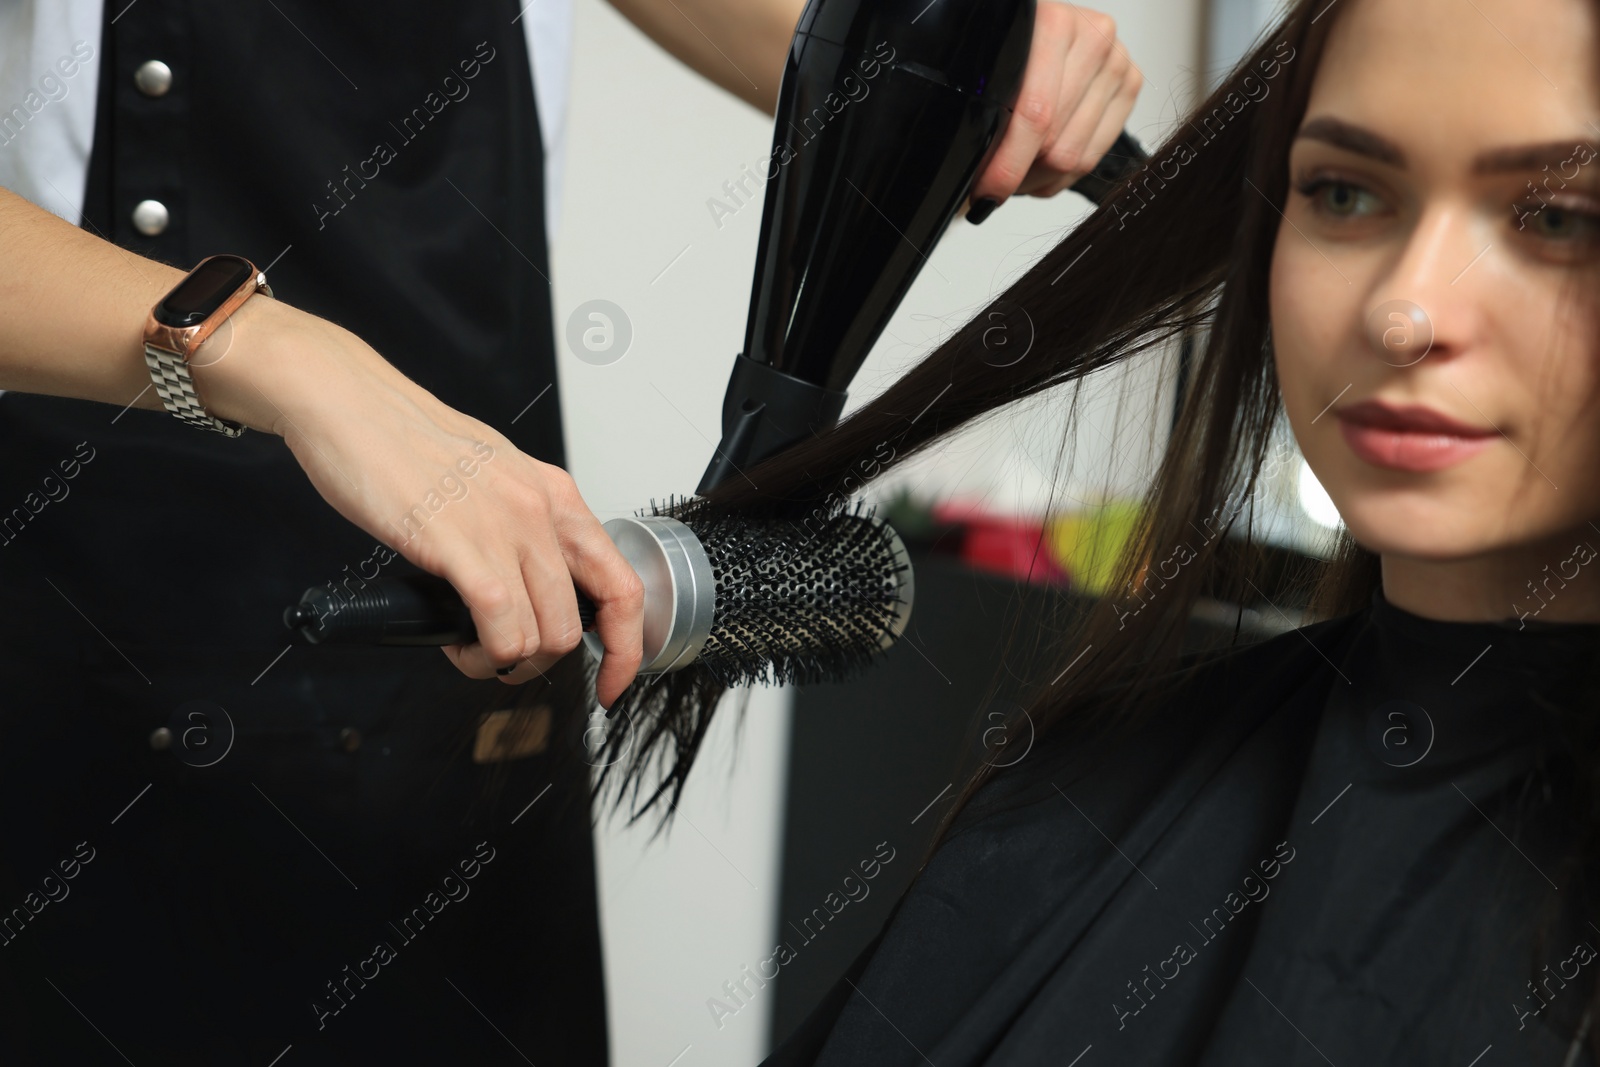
x=1182 y=247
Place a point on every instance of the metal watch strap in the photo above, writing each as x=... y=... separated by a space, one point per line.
x=170 y=373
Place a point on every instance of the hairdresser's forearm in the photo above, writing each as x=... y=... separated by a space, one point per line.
x=72 y=314
x=71 y=308
x=738 y=44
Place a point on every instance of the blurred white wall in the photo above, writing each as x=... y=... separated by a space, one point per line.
x=648 y=142
x=1231 y=27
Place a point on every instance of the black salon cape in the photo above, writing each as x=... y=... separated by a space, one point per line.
x=1320 y=851
x=246 y=871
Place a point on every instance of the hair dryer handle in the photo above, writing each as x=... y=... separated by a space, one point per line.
x=1121 y=159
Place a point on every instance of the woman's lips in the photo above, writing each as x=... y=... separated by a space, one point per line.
x=1409 y=439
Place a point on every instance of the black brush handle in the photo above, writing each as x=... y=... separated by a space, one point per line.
x=1121 y=159
x=414 y=609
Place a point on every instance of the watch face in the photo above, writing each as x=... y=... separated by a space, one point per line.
x=199 y=295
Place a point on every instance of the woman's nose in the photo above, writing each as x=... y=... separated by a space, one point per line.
x=1425 y=304
x=1400 y=331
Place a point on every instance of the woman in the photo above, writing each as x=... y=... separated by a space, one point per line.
x=1372 y=840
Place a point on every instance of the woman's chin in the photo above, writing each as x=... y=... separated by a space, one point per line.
x=1419 y=528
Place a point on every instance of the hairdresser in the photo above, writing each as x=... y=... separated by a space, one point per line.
x=223 y=846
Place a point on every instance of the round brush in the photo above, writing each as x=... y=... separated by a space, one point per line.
x=746 y=599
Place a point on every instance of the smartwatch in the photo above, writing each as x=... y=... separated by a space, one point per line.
x=183 y=319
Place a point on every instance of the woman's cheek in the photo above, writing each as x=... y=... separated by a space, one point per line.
x=1555 y=373
x=1307 y=327
x=1291 y=333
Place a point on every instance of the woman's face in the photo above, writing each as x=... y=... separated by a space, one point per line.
x=1410 y=213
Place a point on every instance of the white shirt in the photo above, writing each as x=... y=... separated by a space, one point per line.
x=45 y=155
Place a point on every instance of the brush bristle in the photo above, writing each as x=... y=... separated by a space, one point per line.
x=797 y=602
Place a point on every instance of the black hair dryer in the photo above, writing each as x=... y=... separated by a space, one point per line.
x=887 y=112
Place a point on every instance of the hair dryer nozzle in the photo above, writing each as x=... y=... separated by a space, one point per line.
x=888 y=111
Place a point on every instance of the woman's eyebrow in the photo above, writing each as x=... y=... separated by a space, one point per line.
x=1362 y=141
x=1533 y=156
x=1352 y=138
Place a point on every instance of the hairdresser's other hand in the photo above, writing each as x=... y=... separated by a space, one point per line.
x=448 y=492
x=1077 y=92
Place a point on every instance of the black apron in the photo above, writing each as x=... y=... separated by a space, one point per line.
x=308 y=864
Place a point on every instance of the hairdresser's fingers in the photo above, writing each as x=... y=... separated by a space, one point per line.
x=538 y=503
x=1092 y=129
x=527 y=617
x=1097 y=79
x=1105 y=135
x=496 y=599
x=542 y=559
x=1091 y=44
x=1033 y=116
x=602 y=572
x=469 y=542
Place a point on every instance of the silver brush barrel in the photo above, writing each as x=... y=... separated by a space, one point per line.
x=680 y=595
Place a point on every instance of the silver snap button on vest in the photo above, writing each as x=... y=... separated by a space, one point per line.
x=150 y=217
x=153 y=78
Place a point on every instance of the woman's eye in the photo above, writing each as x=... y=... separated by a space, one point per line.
x=1555 y=222
x=1339 y=199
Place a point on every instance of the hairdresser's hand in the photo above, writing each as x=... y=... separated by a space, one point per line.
x=446 y=491
x=1077 y=93
x=510 y=533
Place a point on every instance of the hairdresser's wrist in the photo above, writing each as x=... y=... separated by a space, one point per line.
x=281 y=367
